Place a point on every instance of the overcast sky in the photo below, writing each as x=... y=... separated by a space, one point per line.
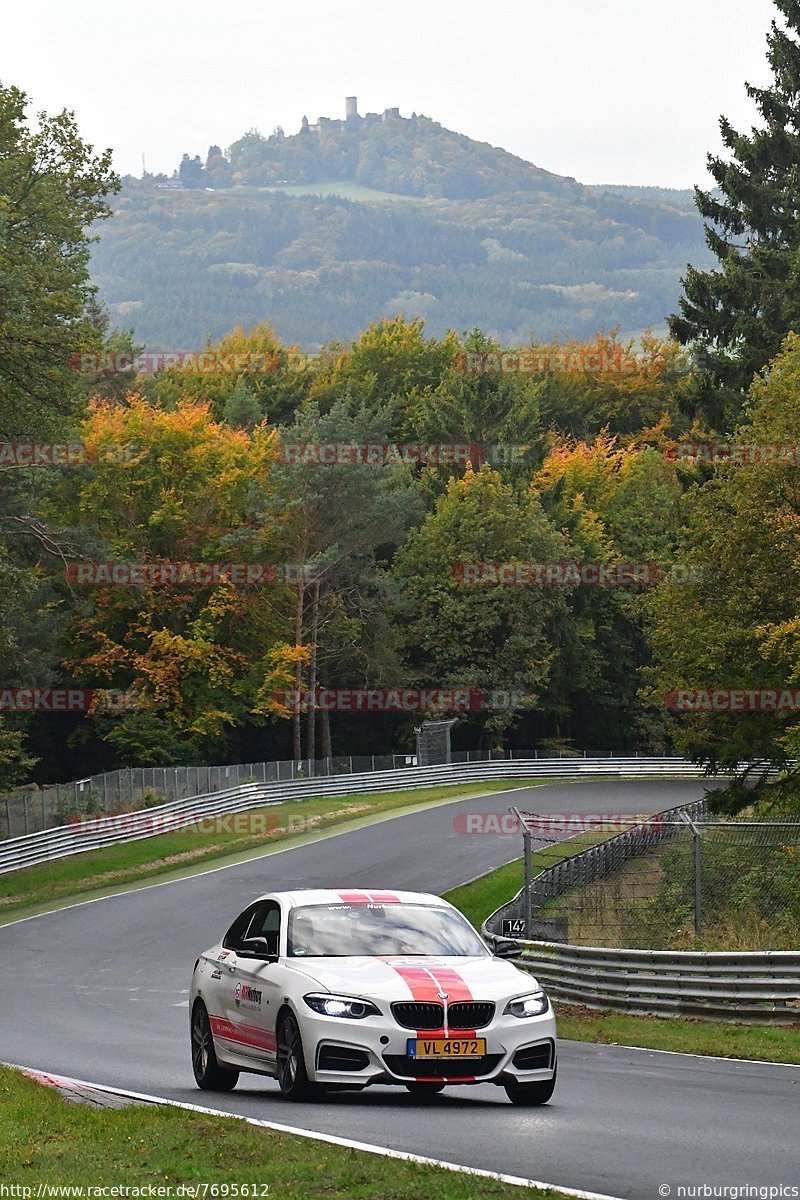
x=610 y=91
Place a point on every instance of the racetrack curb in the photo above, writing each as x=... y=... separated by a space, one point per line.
x=82 y=1090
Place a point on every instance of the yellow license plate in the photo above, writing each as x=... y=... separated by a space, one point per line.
x=446 y=1047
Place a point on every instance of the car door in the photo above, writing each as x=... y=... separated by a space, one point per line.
x=250 y=991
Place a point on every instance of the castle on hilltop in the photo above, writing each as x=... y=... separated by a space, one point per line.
x=351 y=118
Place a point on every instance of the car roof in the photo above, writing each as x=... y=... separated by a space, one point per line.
x=344 y=895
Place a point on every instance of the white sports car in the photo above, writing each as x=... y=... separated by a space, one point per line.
x=340 y=989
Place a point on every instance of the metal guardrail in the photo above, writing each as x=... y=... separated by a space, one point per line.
x=32 y=809
x=760 y=987
x=92 y=833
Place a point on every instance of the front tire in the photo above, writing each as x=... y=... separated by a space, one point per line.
x=292 y=1076
x=530 y=1094
x=208 y=1074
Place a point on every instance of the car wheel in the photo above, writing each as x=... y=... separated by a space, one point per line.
x=292 y=1077
x=531 y=1093
x=208 y=1074
x=425 y=1089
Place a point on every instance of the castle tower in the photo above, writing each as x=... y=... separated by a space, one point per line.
x=351 y=106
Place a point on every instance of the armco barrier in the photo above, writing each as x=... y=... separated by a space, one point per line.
x=760 y=987
x=95 y=833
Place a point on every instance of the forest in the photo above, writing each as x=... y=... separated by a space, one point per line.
x=582 y=539
x=373 y=225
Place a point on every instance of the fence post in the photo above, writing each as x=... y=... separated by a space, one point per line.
x=698 y=884
x=526 y=842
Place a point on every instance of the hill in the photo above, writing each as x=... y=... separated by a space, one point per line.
x=325 y=231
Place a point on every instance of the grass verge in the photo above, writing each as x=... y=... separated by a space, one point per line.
x=686 y=1035
x=45 y=1140
x=212 y=841
x=477 y=899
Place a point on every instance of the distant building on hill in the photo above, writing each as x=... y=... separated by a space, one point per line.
x=329 y=124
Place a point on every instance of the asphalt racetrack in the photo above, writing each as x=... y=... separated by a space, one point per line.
x=99 y=992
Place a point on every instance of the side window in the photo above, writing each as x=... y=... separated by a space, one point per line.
x=266 y=923
x=239 y=927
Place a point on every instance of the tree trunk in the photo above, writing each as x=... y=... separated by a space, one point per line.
x=327 y=748
x=297 y=749
x=312 y=680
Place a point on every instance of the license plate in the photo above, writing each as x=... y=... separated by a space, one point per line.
x=446 y=1047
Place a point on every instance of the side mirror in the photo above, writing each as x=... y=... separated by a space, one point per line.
x=256 y=947
x=507 y=948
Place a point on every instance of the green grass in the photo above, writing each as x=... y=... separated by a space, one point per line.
x=689 y=1035
x=476 y=900
x=44 y=1139
x=172 y=854
x=345 y=188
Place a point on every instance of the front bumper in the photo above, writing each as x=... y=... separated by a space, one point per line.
x=374 y=1050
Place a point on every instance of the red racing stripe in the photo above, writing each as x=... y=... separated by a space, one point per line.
x=354 y=897
x=244 y=1034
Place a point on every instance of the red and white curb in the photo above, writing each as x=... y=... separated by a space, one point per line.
x=79 y=1086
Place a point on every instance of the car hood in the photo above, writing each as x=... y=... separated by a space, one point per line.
x=416 y=978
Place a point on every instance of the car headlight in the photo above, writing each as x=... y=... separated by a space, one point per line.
x=341 y=1006
x=532 y=1005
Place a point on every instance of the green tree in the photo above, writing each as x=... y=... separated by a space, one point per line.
x=495 y=639
x=51 y=190
x=735 y=316
x=729 y=618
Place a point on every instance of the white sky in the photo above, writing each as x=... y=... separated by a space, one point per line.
x=609 y=91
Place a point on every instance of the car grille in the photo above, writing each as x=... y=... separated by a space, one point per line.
x=437 y=1068
x=534 y=1058
x=467 y=1014
x=418 y=1015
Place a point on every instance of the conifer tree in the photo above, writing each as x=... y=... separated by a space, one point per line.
x=736 y=315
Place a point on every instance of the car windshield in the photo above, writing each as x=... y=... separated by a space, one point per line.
x=348 y=930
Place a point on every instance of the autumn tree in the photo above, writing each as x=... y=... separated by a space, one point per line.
x=171 y=487
x=617 y=505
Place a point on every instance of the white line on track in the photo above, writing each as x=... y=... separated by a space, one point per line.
x=313 y=1135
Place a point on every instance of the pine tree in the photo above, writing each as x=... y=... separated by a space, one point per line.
x=736 y=316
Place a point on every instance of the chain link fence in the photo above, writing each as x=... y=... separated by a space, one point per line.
x=696 y=884
x=30 y=810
